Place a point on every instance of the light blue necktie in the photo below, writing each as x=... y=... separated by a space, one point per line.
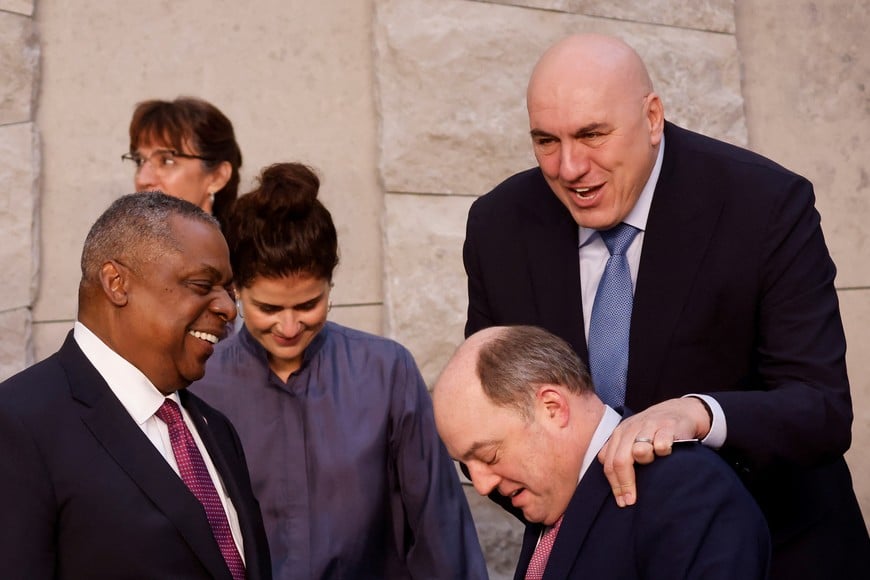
x=611 y=319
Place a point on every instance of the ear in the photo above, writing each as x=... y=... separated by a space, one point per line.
x=552 y=406
x=220 y=175
x=655 y=116
x=114 y=279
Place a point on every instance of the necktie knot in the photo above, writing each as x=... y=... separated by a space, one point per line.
x=169 y=413
x=618 y=238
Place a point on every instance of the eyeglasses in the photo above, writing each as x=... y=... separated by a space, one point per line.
x=160 y=159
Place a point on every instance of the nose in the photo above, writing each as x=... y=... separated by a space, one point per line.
x=146 y=178
x=482 y=478
x=224 y=306
x=287 y=322
x=574 y=161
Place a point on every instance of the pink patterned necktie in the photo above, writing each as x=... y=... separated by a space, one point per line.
x=195 y=476
x=538 y=563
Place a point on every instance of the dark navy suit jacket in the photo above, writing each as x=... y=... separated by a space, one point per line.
x=696 y=520
x=84 y=493
x=734 y=297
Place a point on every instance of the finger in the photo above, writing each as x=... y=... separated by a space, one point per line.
x=624 y=494
x=664 y=442
x=622 y=474
x=643 y=449
x=663 y=447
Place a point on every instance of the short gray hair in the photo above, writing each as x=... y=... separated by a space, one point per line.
x=135 y=230
x=518 y=359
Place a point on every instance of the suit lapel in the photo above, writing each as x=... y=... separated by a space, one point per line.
x=550 y=235
x=124 y=441
x=530 y=541
x=217 y=451
x=590 y=497
x=679 y=230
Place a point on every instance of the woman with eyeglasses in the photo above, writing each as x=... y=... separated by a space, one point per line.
x=352 y=478
x=186 y=148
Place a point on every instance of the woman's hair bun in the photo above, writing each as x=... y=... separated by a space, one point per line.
x=287 y=190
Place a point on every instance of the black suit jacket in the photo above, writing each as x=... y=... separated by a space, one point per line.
x=696 y=521
x=84 y=493
x=734 y=297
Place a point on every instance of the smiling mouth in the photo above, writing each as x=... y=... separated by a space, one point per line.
x=203 y=336
x=585 y=192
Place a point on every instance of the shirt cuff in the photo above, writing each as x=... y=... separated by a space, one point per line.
x=718 y=427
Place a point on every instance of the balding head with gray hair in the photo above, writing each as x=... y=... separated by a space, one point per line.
x=157 y=286
x=515 y=360
x=134 y=230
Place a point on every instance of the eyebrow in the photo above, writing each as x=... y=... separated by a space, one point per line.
x=539 y=133
x=591 y=127
x=210 y=271
x=310 y=300
x=475 y=447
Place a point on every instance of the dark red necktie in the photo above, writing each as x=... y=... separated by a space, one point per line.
x=195 y=475
x=538 y=563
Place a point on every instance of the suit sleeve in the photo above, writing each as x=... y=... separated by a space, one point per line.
x=698 y=522
x=441 y=541
x=800 y=411
x=27 y=536
x=479 y=313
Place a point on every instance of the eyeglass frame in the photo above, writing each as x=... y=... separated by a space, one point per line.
x=133 y=156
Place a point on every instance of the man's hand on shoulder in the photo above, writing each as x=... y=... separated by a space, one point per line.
x=650 y=433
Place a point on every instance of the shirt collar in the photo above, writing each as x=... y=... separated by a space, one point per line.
x=137 y=394
x=609 y=420
x=639 y=214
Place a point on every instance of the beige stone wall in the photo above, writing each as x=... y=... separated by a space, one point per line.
x=295 y=77
x=807 y=90
x=784 y=77
x=453 y=125
x=409 y=109
x=19 y=168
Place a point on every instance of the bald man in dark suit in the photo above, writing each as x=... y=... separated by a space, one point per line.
x=733 y=294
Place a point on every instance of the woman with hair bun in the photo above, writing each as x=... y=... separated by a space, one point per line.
x=186 y=148
x=337 y=424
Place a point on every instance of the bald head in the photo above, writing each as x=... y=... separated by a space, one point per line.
x=460 y=374
x=508 y=363
x=516 y=406
x=590 y=59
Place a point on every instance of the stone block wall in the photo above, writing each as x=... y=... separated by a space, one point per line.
x=409 y=109
x=19 y=168
x=451 y=92
x=786 y=78
x=294 y=77
x=806 y=69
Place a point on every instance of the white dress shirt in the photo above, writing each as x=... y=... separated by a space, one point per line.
x=593 y=254
x=141 y=399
